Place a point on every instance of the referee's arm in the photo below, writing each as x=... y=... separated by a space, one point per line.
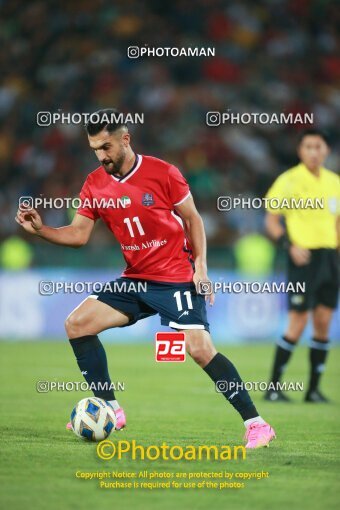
x=276 y=231
x=274 y=227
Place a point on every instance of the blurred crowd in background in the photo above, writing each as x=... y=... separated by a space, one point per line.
x=271 y=56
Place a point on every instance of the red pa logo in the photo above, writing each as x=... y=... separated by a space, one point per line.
x=170 y=346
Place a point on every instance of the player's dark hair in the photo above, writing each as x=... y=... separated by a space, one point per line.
x=109 y=119
x=313 y=132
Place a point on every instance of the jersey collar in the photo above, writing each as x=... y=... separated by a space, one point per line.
x=308 y=173
x=136 y=165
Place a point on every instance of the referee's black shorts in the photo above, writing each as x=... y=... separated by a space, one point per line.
x=321 y=278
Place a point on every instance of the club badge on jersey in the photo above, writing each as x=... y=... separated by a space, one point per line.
x=148 y=199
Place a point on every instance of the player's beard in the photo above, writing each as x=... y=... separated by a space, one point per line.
x=114 y=167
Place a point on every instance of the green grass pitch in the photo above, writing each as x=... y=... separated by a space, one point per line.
x=170 y=402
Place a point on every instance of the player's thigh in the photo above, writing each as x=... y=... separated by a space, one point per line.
x=199 y=345
x=92 y=317
x=322 y=316
x=297 y=322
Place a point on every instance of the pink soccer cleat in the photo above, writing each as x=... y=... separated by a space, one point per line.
x=121 y=419
x=259 y=434
x=120 y=415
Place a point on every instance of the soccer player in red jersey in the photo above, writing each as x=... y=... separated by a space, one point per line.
x=163 y=241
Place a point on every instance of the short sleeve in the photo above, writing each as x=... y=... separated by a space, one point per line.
x=178 y=187
x=334 y=194
x=86 y=208
x=276 y=195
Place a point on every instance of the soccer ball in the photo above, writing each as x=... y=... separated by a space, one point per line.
x=93 y=419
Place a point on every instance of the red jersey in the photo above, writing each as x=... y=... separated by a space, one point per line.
x=138 y=208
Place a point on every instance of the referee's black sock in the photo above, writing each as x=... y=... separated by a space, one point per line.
x=91 y=359
x=229 y=382
x=317 y=356
x=284 y=350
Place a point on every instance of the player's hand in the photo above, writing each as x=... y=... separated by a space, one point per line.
x=300 y=256
x=204 y=286
x=29 y=220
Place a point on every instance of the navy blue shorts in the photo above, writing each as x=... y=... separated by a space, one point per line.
x=178 y=304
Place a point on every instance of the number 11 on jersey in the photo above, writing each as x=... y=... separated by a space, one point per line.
x=136 y=220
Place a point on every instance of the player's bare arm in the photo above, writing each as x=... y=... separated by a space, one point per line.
x=74 y=235
x=275 y=230
x=195 y=231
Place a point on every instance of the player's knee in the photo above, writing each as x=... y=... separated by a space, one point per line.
x=73 y=326
x=321 y=326
x=296 y=326
x=201 y=352
x=301 y=320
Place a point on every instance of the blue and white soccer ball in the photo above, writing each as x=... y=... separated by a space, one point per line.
x=93 y=419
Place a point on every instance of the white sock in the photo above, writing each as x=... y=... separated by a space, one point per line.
x=114 y=404
x=253 y=420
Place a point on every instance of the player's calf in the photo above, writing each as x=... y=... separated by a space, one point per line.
x=229 y=383
x=91 y=358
